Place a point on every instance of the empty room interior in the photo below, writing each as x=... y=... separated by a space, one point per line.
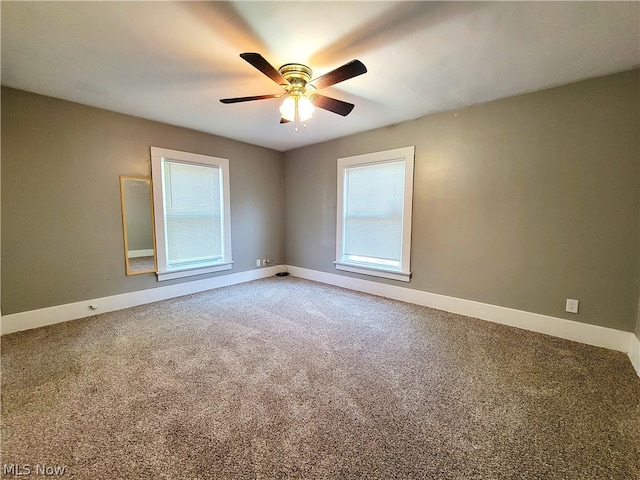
x=320 y=240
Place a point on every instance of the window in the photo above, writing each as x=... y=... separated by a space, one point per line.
x=375 y=194
x=191 y=204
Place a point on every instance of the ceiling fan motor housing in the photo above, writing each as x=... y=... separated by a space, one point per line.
x=296 y=74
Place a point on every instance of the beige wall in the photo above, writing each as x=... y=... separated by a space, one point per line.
x=522 y=202
x=61 y=221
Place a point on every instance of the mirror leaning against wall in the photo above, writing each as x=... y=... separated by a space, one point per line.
x=137 y=224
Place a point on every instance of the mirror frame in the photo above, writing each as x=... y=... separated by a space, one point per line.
x=128 y=269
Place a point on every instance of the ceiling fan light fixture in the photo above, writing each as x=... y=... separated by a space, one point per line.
x=300 y=97
x=296 y=108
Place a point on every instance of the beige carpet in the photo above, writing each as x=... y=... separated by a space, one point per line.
x=285 y=378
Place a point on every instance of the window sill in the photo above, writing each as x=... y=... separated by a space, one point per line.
x=188 y=272
x=373 y=271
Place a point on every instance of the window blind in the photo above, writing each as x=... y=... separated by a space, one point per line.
x=373 y=213
x=193 y=213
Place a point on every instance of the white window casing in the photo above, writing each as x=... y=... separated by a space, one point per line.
x=192 y=213
x=374 y=209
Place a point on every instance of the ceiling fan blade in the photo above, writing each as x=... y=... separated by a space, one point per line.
x=340 y=74
x=248 y=99
x=284 y=120
x=258 y=61
x=333 y=105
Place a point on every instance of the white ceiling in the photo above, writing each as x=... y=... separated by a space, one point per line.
x=173 y=61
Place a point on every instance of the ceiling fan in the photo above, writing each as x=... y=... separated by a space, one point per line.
x=300 y=91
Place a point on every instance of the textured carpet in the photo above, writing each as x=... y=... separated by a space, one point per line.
x=141 y=264
x=286 y=378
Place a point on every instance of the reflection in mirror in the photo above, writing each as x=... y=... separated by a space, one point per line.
x=137 y=224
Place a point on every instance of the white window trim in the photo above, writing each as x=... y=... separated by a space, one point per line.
x=407 y=154
x=158 y=155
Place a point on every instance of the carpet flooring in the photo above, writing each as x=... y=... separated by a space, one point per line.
x=286 y=378
x=141 y=264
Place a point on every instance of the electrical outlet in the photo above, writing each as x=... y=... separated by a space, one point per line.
x=257 y=262
x=265 y=262
x=572 y=305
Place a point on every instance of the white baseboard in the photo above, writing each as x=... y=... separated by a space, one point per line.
x=634 y=353
x=61 y=313
x=595 y=335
